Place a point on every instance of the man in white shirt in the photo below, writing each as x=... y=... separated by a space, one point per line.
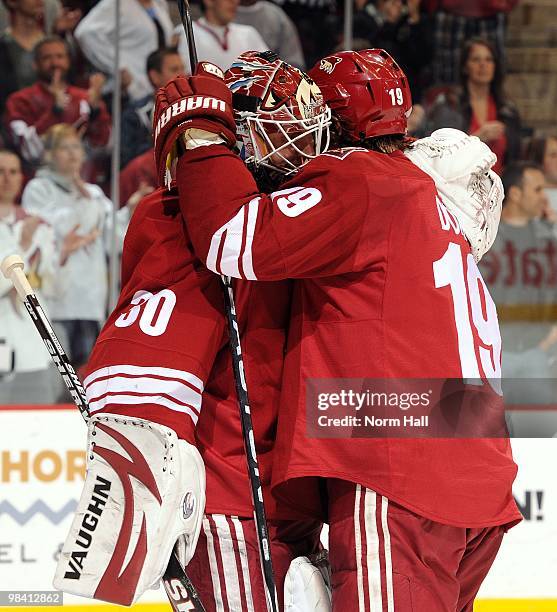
x=145 y=26
x=217 y=39
x=275 y=27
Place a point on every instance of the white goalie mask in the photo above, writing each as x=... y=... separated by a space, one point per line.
x=461 y=166
x=283 y=122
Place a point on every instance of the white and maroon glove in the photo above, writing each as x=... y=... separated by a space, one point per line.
x=461 y=166
x=144 y=489
x=198 y=107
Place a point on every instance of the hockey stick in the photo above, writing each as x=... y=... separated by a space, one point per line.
x=241 y=387
x=12 y=268
x=179 y=588
x=249 y=446
x=185 y=16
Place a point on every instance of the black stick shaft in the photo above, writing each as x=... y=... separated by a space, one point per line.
x=179 y=588
x=249 y=445
x=58 y=355
x=185 y=16
x=241 y=389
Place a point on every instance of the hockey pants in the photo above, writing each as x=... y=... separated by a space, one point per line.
x=226 y=570
x=385 y=558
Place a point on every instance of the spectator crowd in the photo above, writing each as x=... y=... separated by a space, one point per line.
x=56 y=100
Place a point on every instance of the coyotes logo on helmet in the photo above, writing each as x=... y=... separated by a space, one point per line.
x=329 y=64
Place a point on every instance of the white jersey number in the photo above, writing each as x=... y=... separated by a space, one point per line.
x=470 y=290
x=157 y=310
x=397 y=97
x=294 y=201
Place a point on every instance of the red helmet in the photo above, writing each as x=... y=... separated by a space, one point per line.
x=281 y=117
x=366 y=90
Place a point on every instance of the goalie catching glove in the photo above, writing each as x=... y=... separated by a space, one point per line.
x=461 y=166
x=199 y=108
x=143 y=490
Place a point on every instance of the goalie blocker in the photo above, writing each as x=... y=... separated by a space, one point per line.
x=143 y=490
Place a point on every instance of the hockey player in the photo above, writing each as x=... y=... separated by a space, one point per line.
x=165 y=420
x=390 y=290
x=144 y=386
x=353 y=84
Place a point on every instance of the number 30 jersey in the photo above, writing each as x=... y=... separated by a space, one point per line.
x=163 y=353
x=386 y=289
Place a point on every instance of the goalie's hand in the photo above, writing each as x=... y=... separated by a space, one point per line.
x=461 y=166
x=201 y=103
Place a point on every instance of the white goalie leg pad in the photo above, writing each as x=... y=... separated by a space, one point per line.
x=305 y=589
x=144 y=488
x=461 y=166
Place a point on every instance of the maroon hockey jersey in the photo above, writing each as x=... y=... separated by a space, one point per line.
x=390 y=290
x=163 y=354
x=30 y=112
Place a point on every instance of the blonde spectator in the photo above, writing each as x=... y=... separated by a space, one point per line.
x=24 y=362
x=80 y=215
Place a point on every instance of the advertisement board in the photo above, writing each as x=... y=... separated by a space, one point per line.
x=42 y=466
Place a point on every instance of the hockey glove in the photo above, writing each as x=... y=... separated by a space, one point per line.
x=461 y=166
x=198 y=107
x=144 y=489
x=305 y=588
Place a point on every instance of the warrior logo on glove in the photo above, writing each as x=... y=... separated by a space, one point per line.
x=188 y=104
x=201 y=103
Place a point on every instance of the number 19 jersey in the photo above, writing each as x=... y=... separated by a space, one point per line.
x=386 y=289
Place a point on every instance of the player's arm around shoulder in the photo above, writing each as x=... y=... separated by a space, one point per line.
x=194 y=115
x=309 y=226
